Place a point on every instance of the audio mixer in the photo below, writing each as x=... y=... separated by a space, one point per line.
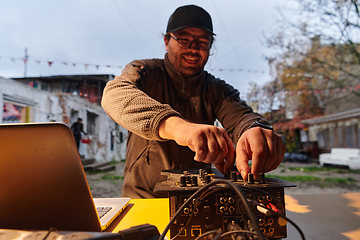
x=220 y=207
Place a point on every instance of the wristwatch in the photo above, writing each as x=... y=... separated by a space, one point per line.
x=262 y=125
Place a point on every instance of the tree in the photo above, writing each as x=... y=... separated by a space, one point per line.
x=265 y=98
x=317 y=55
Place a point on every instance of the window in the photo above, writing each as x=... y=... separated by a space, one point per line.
x=91 y=123
x=326 y=134
x=331 y=138
x=350 y=136
x=121 y=137
x=112 y=141
x=339 y=137
x=358 y=135
x=321 y=139
x=45 y=87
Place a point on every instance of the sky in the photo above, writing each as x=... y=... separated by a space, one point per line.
x=67 y=37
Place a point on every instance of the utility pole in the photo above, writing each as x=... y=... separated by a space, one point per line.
x=25 y=62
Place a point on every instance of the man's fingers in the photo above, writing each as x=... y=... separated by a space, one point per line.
x=258 y=163
x=230 y=157
x=199 y=146
x=213 y=147
x=220 y=167
x=263 y=147
x=224 y=141
x=217 y=145
x=207 y=150
x=242 y=159
x=280 y=150
x=275 y=151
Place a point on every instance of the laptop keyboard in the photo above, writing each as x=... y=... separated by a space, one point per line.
x=102 y=211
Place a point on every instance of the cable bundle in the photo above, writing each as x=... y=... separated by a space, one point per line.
x=252 y=228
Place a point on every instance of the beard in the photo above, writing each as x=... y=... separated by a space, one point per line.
x=191 y=63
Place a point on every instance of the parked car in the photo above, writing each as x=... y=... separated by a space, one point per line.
x=295 y=157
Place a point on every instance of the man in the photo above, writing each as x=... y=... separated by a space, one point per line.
x=78 y=128
x=169 y=107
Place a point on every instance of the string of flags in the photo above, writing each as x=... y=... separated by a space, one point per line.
x=320 y=91
x=236 y=70
x=50 y=63
x=97 y=66
x=316 y=92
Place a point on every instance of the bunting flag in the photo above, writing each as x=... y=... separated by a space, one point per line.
x=97 y=66
x=326 y=91
x=316 y=92
x=50 y=63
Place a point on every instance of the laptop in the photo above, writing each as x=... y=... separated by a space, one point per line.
x=43 y=184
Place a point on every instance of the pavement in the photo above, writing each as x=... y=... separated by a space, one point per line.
x=321 y=213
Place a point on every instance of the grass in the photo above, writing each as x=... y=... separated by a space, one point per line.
x=114 y=162
x=312 y=169
x=112 y=177
x=317 y=181
x=111 y=162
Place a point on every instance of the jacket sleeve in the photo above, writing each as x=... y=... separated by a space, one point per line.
x=233 y=112
x=126 y=103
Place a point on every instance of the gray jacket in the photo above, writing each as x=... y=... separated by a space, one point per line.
x=151 y=90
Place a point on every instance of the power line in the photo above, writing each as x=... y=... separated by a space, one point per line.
x=228 y=36
x=137 y=35
x=246 y=41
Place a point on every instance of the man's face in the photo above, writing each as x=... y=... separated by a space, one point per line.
x=191 y=60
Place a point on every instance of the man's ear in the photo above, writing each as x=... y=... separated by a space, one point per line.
x=166 y=41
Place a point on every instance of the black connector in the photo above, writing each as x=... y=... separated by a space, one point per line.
x=140 y=232
x=251 y=178
x=262 y=179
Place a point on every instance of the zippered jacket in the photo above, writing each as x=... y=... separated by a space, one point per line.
x=147 y=92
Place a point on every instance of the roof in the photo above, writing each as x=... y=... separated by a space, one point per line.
x=334 y=117
x=91 y=78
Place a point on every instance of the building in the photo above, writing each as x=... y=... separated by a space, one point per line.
x=321 y=90
x=65 y=99
x=338 y=130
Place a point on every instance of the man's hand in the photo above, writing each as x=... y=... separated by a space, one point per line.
x=264 y=147
x=210 y=143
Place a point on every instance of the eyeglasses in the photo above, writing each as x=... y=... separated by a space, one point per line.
x=186 y=42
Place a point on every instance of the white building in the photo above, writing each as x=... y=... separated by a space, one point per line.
x=65 y=99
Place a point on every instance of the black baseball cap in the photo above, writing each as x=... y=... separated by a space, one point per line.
x=190 y=16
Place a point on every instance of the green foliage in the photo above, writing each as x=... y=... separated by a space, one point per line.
x=112 y=177
x=113 y=162
x=323 y=169
x=317 y=181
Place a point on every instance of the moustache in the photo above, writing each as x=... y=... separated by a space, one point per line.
x=192 y=55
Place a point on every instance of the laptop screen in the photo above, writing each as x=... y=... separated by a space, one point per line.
x=42 y=181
